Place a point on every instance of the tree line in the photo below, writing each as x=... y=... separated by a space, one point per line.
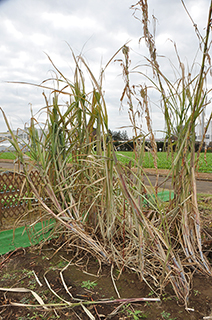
x=122 y=142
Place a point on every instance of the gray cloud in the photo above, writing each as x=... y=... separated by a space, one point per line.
x=29 y=29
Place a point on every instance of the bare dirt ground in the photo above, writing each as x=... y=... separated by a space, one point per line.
x=85 y=280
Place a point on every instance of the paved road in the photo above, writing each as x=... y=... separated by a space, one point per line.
x=202 y=185
x=204 y=181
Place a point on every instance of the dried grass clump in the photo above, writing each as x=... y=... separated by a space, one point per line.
x=100 y=204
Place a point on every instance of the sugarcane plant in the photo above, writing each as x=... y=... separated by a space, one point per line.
x=102 y=205
x=182 y=102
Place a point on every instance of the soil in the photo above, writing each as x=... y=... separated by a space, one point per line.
x=87 y=280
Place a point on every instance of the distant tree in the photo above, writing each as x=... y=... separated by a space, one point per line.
x=119 y=136
x=116 y=135
x=124 y=135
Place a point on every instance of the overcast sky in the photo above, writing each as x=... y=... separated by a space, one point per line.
x=97 y=29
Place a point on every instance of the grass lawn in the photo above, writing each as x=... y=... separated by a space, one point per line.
x=164 y=162
x=8 y=155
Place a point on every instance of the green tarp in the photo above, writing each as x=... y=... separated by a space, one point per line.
x=22 y=237
x=166 y=195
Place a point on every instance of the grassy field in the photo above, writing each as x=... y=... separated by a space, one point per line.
x=164 y=162
x=8 y=155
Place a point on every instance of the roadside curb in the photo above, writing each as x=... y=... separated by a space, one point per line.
x=163 y=172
